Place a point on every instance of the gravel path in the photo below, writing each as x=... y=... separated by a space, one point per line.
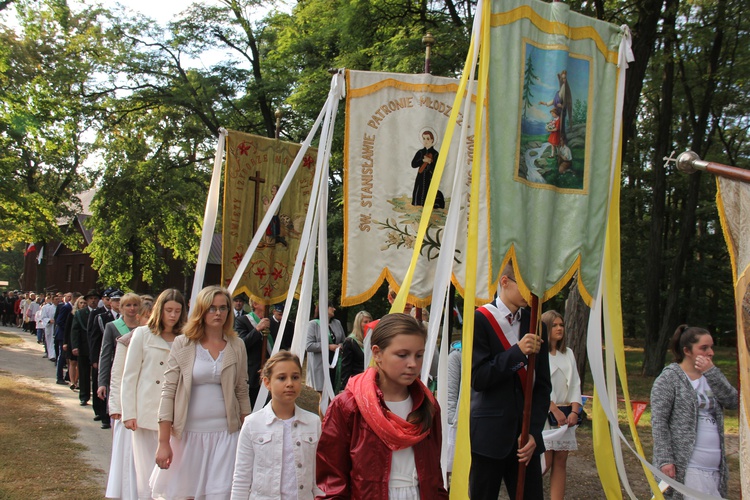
x=25 y=362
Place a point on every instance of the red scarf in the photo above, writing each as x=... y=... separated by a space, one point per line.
x=395 y=432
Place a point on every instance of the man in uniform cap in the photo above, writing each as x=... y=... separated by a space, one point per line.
x=97 y=321
x=276 y=317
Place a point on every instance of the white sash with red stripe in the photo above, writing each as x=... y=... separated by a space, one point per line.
x=521 y=372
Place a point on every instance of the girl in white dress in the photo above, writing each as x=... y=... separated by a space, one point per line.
x=276 y=450
x=566 y=394
x=143 y=378
x=122 y=481
x=204 y=401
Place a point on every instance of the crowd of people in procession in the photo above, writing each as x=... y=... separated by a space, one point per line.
x=177 y=386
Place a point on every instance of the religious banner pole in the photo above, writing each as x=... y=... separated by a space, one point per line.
x=526 y=422
x=428 y=40
x=689 y=162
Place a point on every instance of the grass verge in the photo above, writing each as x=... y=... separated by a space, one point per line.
x=7 y=339
x=38 y=455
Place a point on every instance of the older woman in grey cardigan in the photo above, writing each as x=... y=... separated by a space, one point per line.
x=687 y=415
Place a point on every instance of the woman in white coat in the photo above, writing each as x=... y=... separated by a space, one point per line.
x=565 y=404
x=142 y=380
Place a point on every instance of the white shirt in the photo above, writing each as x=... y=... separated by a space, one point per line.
x=403 y=466
x=500 y=311
x=566 y=384
x=48 y=313
x=707 y=447
x=258 y=466
x=564 y=153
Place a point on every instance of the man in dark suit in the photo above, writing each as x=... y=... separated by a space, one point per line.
x=79 y=344
x=250 y=328
x=500 y=359
x=98 y=320
x=276 y=317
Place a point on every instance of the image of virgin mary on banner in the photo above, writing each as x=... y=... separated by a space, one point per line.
x=255 y=168
x=553 y=80
x=395 y=125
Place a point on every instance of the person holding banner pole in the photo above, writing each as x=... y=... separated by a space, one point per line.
x=500 y=360
x=250 y=328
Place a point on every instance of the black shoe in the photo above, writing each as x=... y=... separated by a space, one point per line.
x=54 y=360
x=106 y=425
x=61 y=382
x=97 y=418
x=84 y=403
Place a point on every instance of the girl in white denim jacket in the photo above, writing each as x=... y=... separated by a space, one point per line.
x=277 y=444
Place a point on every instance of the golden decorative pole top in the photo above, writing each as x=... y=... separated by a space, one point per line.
x=279 y=114
x=428 y=40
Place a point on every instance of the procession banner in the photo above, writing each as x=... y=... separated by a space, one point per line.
x=255 y=168
x=395 y=126
x=733 y=202
x=553 y=87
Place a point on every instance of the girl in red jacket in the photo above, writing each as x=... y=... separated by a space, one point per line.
x=381 y=436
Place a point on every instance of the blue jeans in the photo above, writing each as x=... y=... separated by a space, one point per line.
x=40 y=335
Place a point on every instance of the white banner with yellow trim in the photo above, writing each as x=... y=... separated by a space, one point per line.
x=395 y=128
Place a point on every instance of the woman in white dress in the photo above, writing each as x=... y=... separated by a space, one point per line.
x=122 y=481
x=143 y=379
x=565 y=404
x=203 y=404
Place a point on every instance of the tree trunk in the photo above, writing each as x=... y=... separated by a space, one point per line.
x=653 y=351
x=653 y=360
x=645 y=32
x=576 y=326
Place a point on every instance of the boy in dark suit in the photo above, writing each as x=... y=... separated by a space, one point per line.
x=500 y=359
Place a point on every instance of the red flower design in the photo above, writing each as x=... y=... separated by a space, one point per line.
x=244 y=148
x=237 y=258
x=276 y=273
x=267 y=290
x=308 y=161
x=260 y=273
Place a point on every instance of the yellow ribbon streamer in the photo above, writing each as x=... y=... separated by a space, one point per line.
x=614 y=306
x=603 y=453
x=462 y=458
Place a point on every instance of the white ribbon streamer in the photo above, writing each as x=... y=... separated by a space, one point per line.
x=308 y=245
x=594 y=333
x=209 y=218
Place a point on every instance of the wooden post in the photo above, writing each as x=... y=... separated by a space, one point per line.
x=264 y=350
x=526 y=425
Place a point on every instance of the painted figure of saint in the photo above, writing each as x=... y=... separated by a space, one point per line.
x=425 y=160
